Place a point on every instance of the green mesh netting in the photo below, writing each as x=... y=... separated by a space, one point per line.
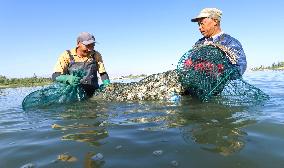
x=56 y=93
x=239 y=92
x=208 y=71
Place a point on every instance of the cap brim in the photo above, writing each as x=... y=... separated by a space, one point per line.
x=194 y=19
x=197 y=18
x=88 y=42
x=200 y=16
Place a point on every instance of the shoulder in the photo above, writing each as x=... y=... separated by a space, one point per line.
x=200 y=41
x=72 y=51
x=97 y=55
x=67 y=53
x=64 y=55
x=229 y=39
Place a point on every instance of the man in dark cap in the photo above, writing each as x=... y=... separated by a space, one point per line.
x=82 y=57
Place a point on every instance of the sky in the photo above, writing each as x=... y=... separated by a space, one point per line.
x=134 y=36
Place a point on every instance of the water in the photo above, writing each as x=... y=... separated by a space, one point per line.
x=145 y=134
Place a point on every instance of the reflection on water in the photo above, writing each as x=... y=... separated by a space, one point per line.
x=215 y=128
x=91 y=136
x=91 y=132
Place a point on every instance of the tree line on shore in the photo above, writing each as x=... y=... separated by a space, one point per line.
x=274 y=66
x=131 y=76
x=31 y=81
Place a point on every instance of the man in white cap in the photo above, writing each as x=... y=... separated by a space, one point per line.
x=82 y=57
x=209 y=25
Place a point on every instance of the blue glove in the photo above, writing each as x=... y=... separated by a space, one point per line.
x=68 y=79
x=104 y=85
x=106 y=82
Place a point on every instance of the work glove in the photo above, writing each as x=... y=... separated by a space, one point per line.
x=106 y=82
x=68 y=79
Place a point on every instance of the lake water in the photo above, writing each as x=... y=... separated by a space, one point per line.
x=145 y=134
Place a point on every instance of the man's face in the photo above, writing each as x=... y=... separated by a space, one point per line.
x=85 y=49
x=207 y=26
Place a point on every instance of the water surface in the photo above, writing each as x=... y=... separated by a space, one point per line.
x=146 y=133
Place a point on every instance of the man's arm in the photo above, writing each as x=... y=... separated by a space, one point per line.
x=61 y=65
x=101 y=69
x=54 y=75
x=236 y=47
x=104 y=76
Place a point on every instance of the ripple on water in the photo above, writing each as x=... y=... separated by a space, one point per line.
x=127 y=133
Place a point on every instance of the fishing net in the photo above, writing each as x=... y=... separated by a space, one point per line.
x=210 y=71
x=57 y=93
x=239 y=92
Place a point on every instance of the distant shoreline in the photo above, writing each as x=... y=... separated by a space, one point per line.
x=39 y=81
x=23 y=85
x=23 y=82
x=130 y=77
x=30 y=82
x=275 y=66
x=267 y=68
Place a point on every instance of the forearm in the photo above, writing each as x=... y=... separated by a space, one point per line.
x=237 y=48
x=242 y=62
x=104 y=76
x=241 y=59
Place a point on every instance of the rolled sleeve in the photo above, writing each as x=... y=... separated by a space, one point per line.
x=100 y=63
x=62 y=63
x=241 y=60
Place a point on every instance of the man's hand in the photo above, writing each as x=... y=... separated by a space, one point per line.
x=104 y=85
x=68 y=79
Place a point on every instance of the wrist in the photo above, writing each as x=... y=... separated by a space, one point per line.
x=106 y=82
